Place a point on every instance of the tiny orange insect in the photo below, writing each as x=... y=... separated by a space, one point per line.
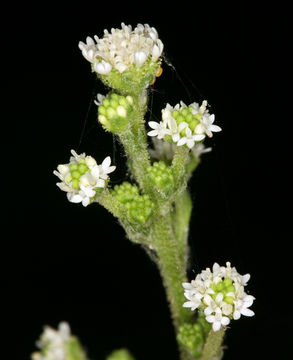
x=158 y=73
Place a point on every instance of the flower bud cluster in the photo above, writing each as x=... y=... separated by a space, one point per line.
x=192 y=337
x=83 y=177
x=138 y=207
x=184 y=125
x=161 y=175
x=58 y=345
x=114 y=112
x=219 y=294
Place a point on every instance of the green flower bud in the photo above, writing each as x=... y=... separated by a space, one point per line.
x=122 y=354
x=125 y=192
x=161 y=175
x=115 y=113
x=187 y=114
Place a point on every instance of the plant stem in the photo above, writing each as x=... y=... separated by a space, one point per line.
x=181 y=218
x=172 y=272
x=138 y=157
x=135 y=143
x=213 y=346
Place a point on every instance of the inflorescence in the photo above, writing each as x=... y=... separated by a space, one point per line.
x=82 y=178
x=184 y=125
x=138 y=208
x=58 y=345
x=219 y=294
x=122 y=48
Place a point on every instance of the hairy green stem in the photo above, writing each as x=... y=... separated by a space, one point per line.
x=138 y=157
x=172 y=273
x=178 y=166
x=181 y=218
x=109 y=202
x=171 y=269
x=212 y=349
x=135 y=143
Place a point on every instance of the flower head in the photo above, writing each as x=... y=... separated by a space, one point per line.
x=122 y=48
x=58 y=344
x=184 y=125
x=219 y=294
x=135 y=52
x=53 y=343
x=82 y=177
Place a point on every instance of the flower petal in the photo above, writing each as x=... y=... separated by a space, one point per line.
x=153 y=124
x=153 y=133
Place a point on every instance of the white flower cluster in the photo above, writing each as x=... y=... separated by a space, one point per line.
x=219 y=294
x=184 y=125
x=122 y=47
x=82 y=176
x=53 y=343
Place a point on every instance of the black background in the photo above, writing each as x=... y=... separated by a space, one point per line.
x=65 y=262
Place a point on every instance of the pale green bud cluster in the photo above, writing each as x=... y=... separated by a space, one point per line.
x=122 y=354
x=76 y=171
x=161 y=175
x=115 y=113
x=225 y=287
x=188 y=115
x=138 y=207
x=192 y=336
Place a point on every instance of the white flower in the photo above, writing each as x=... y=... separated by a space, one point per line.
x=219 y=294
x=84 y=195
x=105 y=168
x=218 y=320
x=140 y=57
x=195 y=292
x=206 y=125
x=82 y=177
x=99 y=100
x=102 y=67
x=241 y=307
x=176 y=129
x=88 y=49
x=121 y=48
x=189 y=139
x=160 y=129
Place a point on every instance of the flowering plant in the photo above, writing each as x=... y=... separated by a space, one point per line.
x=154 y=208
